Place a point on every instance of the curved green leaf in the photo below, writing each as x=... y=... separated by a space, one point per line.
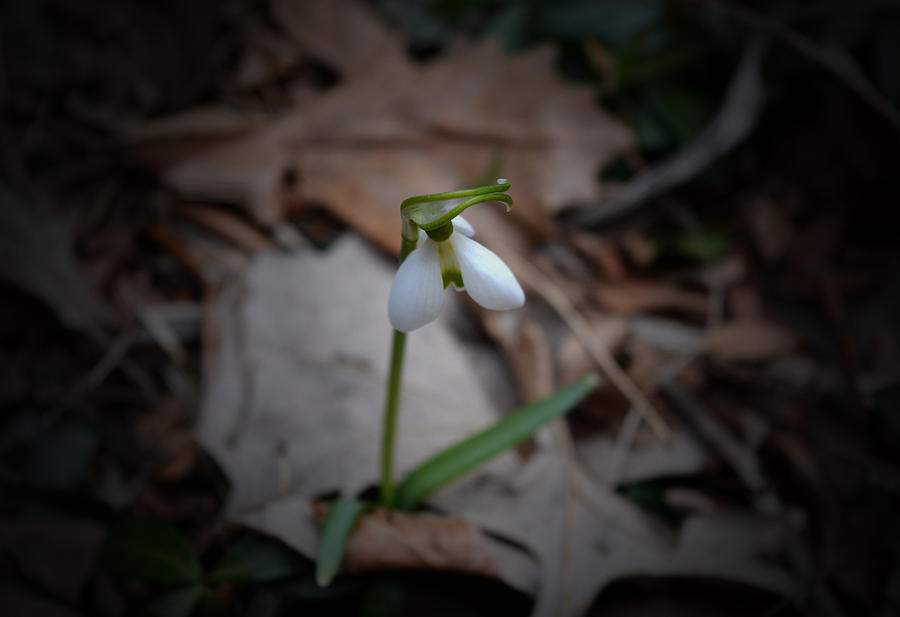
x=461 y=458
x=338 y=526
x=149 y=550
x=437 y=209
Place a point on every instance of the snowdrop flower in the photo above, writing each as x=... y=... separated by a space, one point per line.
x=417 y=294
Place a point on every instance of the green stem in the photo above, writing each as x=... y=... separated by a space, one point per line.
x=391 y=407
x=395 y=375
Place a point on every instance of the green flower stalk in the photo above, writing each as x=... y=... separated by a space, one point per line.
x=438 y=251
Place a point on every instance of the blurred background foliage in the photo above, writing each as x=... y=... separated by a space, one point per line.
x=662 y=66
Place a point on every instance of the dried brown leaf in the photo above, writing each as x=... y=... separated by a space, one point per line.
x=393 y=128
x=721 y=274
x=604 y=255
x=772 y=230
x=208 y=261
x=529 y=355
x=749 y=340
x=291 y=412
x=648 y=296
x=227 y=225
x=385 y=540
x=574 y=360
x=746 y=303
x=346 y=34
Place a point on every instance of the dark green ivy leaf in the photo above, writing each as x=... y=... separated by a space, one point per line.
x=256 y=558
x=149 y=550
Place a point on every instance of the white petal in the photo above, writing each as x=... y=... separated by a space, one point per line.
x=418 y=292
x=487 y=279
x=463 y=226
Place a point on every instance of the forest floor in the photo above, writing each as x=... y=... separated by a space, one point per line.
x=199 y=219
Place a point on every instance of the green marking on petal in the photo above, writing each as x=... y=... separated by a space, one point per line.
x=450 y=272
x=452 y=276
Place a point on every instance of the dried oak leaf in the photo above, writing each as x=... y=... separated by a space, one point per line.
x=393 y=128
x=291 y=411
x=647 y=296
x=294 y=392
x=385 y=540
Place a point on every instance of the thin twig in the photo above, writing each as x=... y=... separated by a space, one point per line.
x=732 y=124
x=835 y=61
x=624 y=442
x=529 y=355
x=595 y=347
x=834 y=305
x=567 y=450
x=745 y=463
x=738 y=456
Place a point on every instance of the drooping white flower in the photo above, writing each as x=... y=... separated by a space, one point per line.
x=417 y=294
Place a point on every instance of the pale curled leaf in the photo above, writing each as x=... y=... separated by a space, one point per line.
x=614 y=538
x=292 y=400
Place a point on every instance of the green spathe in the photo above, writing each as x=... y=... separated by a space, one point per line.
x=431 y=212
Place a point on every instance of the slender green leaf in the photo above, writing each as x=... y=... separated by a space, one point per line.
x=461 y=458
x=178 y=603
x=256 y=558
x=338 y=526
x=149 y=550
